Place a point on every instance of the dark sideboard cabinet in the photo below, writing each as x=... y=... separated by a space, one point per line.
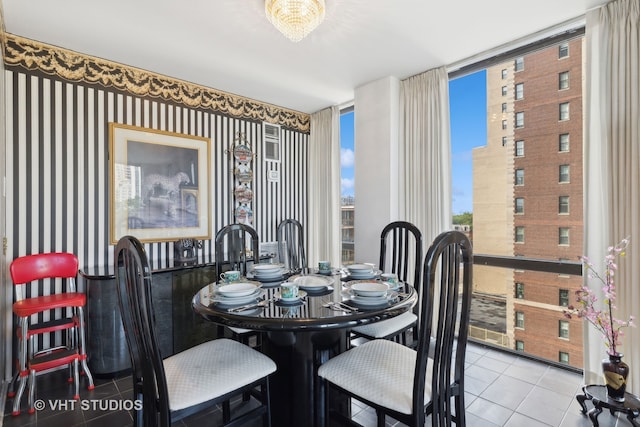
x=178 y=326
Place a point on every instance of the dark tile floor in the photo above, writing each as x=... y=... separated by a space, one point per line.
x=502 y=389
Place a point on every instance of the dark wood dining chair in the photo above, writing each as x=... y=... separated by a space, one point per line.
x=236 y=247
x=400 y=253
x=291 y=251
x=408 y=384
x=189 y=381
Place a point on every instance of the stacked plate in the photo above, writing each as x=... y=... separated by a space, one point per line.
x=268 y=272
x=312 y=283
x=361 y=271
x=237 y=293
x=369 y=293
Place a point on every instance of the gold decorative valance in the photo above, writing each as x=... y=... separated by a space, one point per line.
x=69 y=65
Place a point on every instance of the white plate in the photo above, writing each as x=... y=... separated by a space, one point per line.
x=301 y=294
x=266 y=268
x=222 y=300
x=373 y=301
x=359 y=268
x=312 y=282
x=364 y=275
x=238 y=289
x=370 y=289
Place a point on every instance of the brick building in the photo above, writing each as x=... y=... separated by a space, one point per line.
x=548 y=216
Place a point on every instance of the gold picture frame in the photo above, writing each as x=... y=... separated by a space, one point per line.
x=153 y=176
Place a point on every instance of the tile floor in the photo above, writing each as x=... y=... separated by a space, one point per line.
x=502 y=389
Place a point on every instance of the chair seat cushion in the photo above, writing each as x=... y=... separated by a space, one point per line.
x=380 y=371
x=212 y=369
x=389 y=327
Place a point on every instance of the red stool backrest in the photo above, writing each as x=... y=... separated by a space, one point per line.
x=28 y=268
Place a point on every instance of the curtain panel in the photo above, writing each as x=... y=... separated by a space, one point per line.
x=425 y=153
x=324 y=188
x=612 y=169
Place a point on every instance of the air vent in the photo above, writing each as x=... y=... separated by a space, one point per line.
x=271 y=142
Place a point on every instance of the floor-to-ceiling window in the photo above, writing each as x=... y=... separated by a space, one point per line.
x=347 y=184
x=516 y=129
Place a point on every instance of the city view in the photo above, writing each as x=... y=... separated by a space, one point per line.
x=516 y=149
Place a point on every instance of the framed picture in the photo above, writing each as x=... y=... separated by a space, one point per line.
x=159 y=185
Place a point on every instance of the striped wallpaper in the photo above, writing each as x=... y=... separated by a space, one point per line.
x=58 y=166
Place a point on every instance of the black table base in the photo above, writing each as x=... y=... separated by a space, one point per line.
x=296 y=394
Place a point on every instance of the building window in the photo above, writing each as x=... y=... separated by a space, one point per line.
x=504 y=124
x=504 y=91
x=519 y=320
x=564 y=111
x=519 y=345
x=563 y=50
x=520 y=234
x=563 y=298
x=519 y=176
x=563 y=204
x=519 y=64
x=520 y=119
x=563 y=236
x=564 y=173
x=519 y=90
x=519 y=205
x=520 y=148
x=563 y=142
x=519 y=291
x=504 y=141
x=504 y=107
x=563 y=329
x=563 y=357
x=504 y=73
x=563 y=80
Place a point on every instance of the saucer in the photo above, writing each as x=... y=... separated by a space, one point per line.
x=298 y=299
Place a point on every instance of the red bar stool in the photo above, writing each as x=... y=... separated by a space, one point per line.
x=31 y=359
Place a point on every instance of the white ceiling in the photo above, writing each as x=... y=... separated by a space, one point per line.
x=230 y=46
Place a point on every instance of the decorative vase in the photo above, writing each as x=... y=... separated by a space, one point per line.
x=615 y=376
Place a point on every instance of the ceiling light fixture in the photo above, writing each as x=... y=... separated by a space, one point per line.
x=295 y=18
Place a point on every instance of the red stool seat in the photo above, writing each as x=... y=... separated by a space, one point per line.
x=29 y=306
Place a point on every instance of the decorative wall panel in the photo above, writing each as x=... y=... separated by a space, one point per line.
x=57 y=161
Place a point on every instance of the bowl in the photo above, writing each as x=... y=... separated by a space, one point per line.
x=370 y=289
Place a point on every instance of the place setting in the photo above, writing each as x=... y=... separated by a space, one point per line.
x=233 y=294
x=267 y=272
x=369 y=293
x=360 y=272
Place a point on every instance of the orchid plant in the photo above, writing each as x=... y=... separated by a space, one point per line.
x=586 y=308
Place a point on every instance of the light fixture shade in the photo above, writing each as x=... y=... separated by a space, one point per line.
x=295 y=18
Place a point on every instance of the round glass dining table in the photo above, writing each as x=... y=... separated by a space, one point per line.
x=301 y=335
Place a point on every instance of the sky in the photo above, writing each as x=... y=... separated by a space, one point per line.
x=468 y=108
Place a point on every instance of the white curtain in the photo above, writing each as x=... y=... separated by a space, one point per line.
x=425 y=153
x=612 y=168
x=324 y=188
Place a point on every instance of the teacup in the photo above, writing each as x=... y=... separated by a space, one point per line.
x=289 y=290
x=324 y=265
x=390 y=278
x=230 y=276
